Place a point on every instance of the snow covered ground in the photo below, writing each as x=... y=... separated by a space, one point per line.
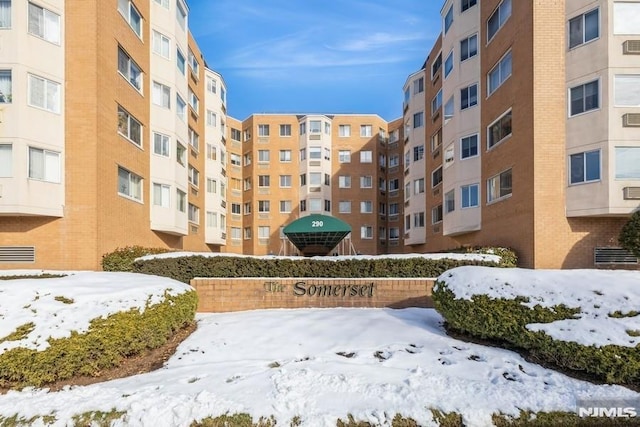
x=318 y=364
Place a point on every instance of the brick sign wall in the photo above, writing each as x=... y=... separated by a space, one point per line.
x=235 y=294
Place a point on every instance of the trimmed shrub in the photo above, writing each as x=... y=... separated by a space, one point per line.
x=106 y=343
x=630 y=235
x=505 y=321
x=122 y=258
x=186 y=268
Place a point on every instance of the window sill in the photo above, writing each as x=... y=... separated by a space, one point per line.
x=506 y=138
x=499 y=199
x=593 y=181
x=132 y=142
x=133 y=199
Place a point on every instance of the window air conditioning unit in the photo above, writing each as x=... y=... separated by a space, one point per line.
x=631 y=193
x=631 y=120
x=631 y=47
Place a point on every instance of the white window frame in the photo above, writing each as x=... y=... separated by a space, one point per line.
x=344 y=131
x=6 y=90
x=366 y=232
x=264 y=156
x=344 y=181
x=447 y=20
x=161 y=144
x=286 y=181
x=134 y=180
x=366 y=206
x=471 y=100
x=491 y=197
x=6 y=160
x=212 y=118
x=502 y=12
x=263 y=130
x=161 y=95
x=127 y=14
x=497 y=122
x=466 y=202
x=161 y=195
x=50 y=166
x=51 y=94
x=366 y=131
x=128 y=133
x=584 y=98
x=366 y=156
x=344 y=206
x=48 y=25
x=449 y=62
x=193 y=214
x=449 y=201
x=133 y=73
x=470 y=138
x=585 y=171
x=181 y=201
x=418 y=119
x=500 y=68
x=366 y=181
x=344 y=156
x=582 y=20
x=285 y=130
x=466 y=49
x=181 y=108
x=161 y=44
x=285 y=156
x=6 y=24
x=286 y=206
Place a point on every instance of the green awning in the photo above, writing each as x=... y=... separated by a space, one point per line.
x=316 y=234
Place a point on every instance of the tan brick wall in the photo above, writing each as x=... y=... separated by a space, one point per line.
x=236 y=294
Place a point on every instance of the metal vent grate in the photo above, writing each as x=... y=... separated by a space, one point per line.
x=631 y=120
x=631 y=193
x=631 y=47
x=17 y=254
x=614 y=256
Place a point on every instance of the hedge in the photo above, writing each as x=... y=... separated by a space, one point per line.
x=186 y=268
x=122 y=258
x=105 y=344
x=504 y=321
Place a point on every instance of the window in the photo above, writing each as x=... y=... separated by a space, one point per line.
x=418 y=219
x=6 y=161
x=448 y=19
x=469 y=146
x=303 y=205
x=626 y=18
x=394 y=160
x=44 y=165
x=407 y=223
x=234 y=159
x=303 y=154
x=449 y=155
x=181 y=108
x=129 y=69
x=584 y=98
x=394 y=209
x=418 y=86
x=5 y=13
x=327 y=179
x=161 y=95
x=235 y=134
x=223 y=95
x=44 y=93
x=315 y=178
x=366 y=157
x=498 y=18
x=448 y=64
x=285 y=156
x=212 y=86
x=264 y=206
x=131 y=15
x=344 y=206
x=418 y=153
x=499 y=73
x=247 y=208
x=626 y=88
x=285 y=206
x=407 y=158
x=499 y=130
x=436 y=65
x=181 y=15
x=366 y=206
x=263 y=130
x=344 y=130
x=344 y=181
x=285 y=181
x=394 y=233
x=163 y=3
x=469 y=195
x=212 y=186
x=436 y=214
x=194 y=214
x=394 y=184
x=161 y=195
x=327 y=205
x=315 y=205
x=193 y=64
x=585 y=167
x=194 y=176
x=584 y=28
x=264 y=180
x=436 y=103
x=246 y=158
x=365 y=130
x=194 y=139
x=418 y=120
x=212 y=219
x=181 y=62
x=436 y=140
x=466 y=4
x=223 y=222
x=418 y=186
x=161 y=144
x=366 y=181
x=161 y=44
x=303 y=179
x=194 y=103
x=285 y=130
x=6 y=94
x=469 y=96
x=181 y=154
x=263 y=156
x=436 y=177
x=129 y=184
x=627 y=161
x=315 y=153
x=303 y=128
x=181 y=200
x=327 y=128
x=450 y=201
x=129 y=127
x=469 y=47
x=43 y=23
x=344 y=156
x=449 y=108
x=366 y=232
x=315 y=126
x=327 y=153
x=499 y=186
x=212 y=118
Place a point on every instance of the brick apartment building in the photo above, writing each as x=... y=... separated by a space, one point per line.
x=520 y=130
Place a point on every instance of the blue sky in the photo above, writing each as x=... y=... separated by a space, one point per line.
x=312 y=56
